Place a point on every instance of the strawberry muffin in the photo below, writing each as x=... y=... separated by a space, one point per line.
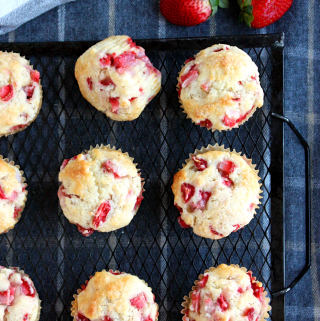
x=117 y=78
x=220 y=88
x=19 y=299
x=101 y=190
x=20 y=93
x=216 y=192
x=226 y=293
x=13 y=194
x=109 y=296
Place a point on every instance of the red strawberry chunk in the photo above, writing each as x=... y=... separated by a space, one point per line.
x=114 y=273
x=14 y=128
x=195 y=297
x=139 y=301
x=139 y=200
x=230 y=122
x=251 y=207
x=115 y=105
x=81 y=317
x=200 y=163
x=132 y=99
x=257 y=290
x=109 y=167
x=27 y=288
x=227 y=182
x=17 y=210
x=179 y=208
x=182 y=223
x=106 y=60
x=190 y=76
x=209 y=307
x=84 y=231
x=2 y=194
x=203 y=282
x=106 y=318
x=237 y=227
x=205 y=123
x=213 y=231
x=187 y=191
x=26 y=317
x=217 y=50
x=148 y=318
x=223 y=303
x=236 y=99
x=190 y=59
x=6 y=297
x=29 y=91
x=107 y=81
x=204 y=197
x=62 y=192
x=101 y=214
x=84 y=286
x=225 y=168
x=132 y=43
x=240 y=290
x=205 y=87
x=249 y=313
x=124 y=61
x=6 y=92
x=89 y=83
x=35 y=75
x=254 y=78
x=141 y=90
x=11 y=198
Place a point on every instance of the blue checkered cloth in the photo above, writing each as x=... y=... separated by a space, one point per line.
x=96 y=20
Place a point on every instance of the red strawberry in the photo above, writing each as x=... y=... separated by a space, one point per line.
x=139 y=301
x=262 y=13
x=190 y=12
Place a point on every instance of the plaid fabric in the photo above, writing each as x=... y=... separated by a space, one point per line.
x=95 y=20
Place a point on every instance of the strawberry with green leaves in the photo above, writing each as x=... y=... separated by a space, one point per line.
x=190 y=12
x=262 y=13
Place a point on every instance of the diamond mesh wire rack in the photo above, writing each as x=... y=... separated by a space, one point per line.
x=153 y=246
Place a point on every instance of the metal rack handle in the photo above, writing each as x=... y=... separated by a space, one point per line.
x=308 y=207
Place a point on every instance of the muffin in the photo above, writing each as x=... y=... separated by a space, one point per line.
x=19 y=299
x=216 y=192
x=226 y=293
x=220 y=88
x=101 y=190
x=117 y=78
x=20 y=93
x=13 y=194
x=114 y=296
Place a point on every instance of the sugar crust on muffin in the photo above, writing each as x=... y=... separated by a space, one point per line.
x=219 y=88
x=117 y=78
x=20 y=93
x=216 y=192
x=19 y=299
x=12 y=194
x=226 y=292
x=114 y=296
x=101 y=190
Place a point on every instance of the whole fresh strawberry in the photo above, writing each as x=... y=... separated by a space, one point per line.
x=262 y=13
x=190 y=12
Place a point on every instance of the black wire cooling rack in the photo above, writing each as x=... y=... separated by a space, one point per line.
x=153 y=246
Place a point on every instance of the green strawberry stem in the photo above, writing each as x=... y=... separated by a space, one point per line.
x=218 y=3
x=246 y=15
